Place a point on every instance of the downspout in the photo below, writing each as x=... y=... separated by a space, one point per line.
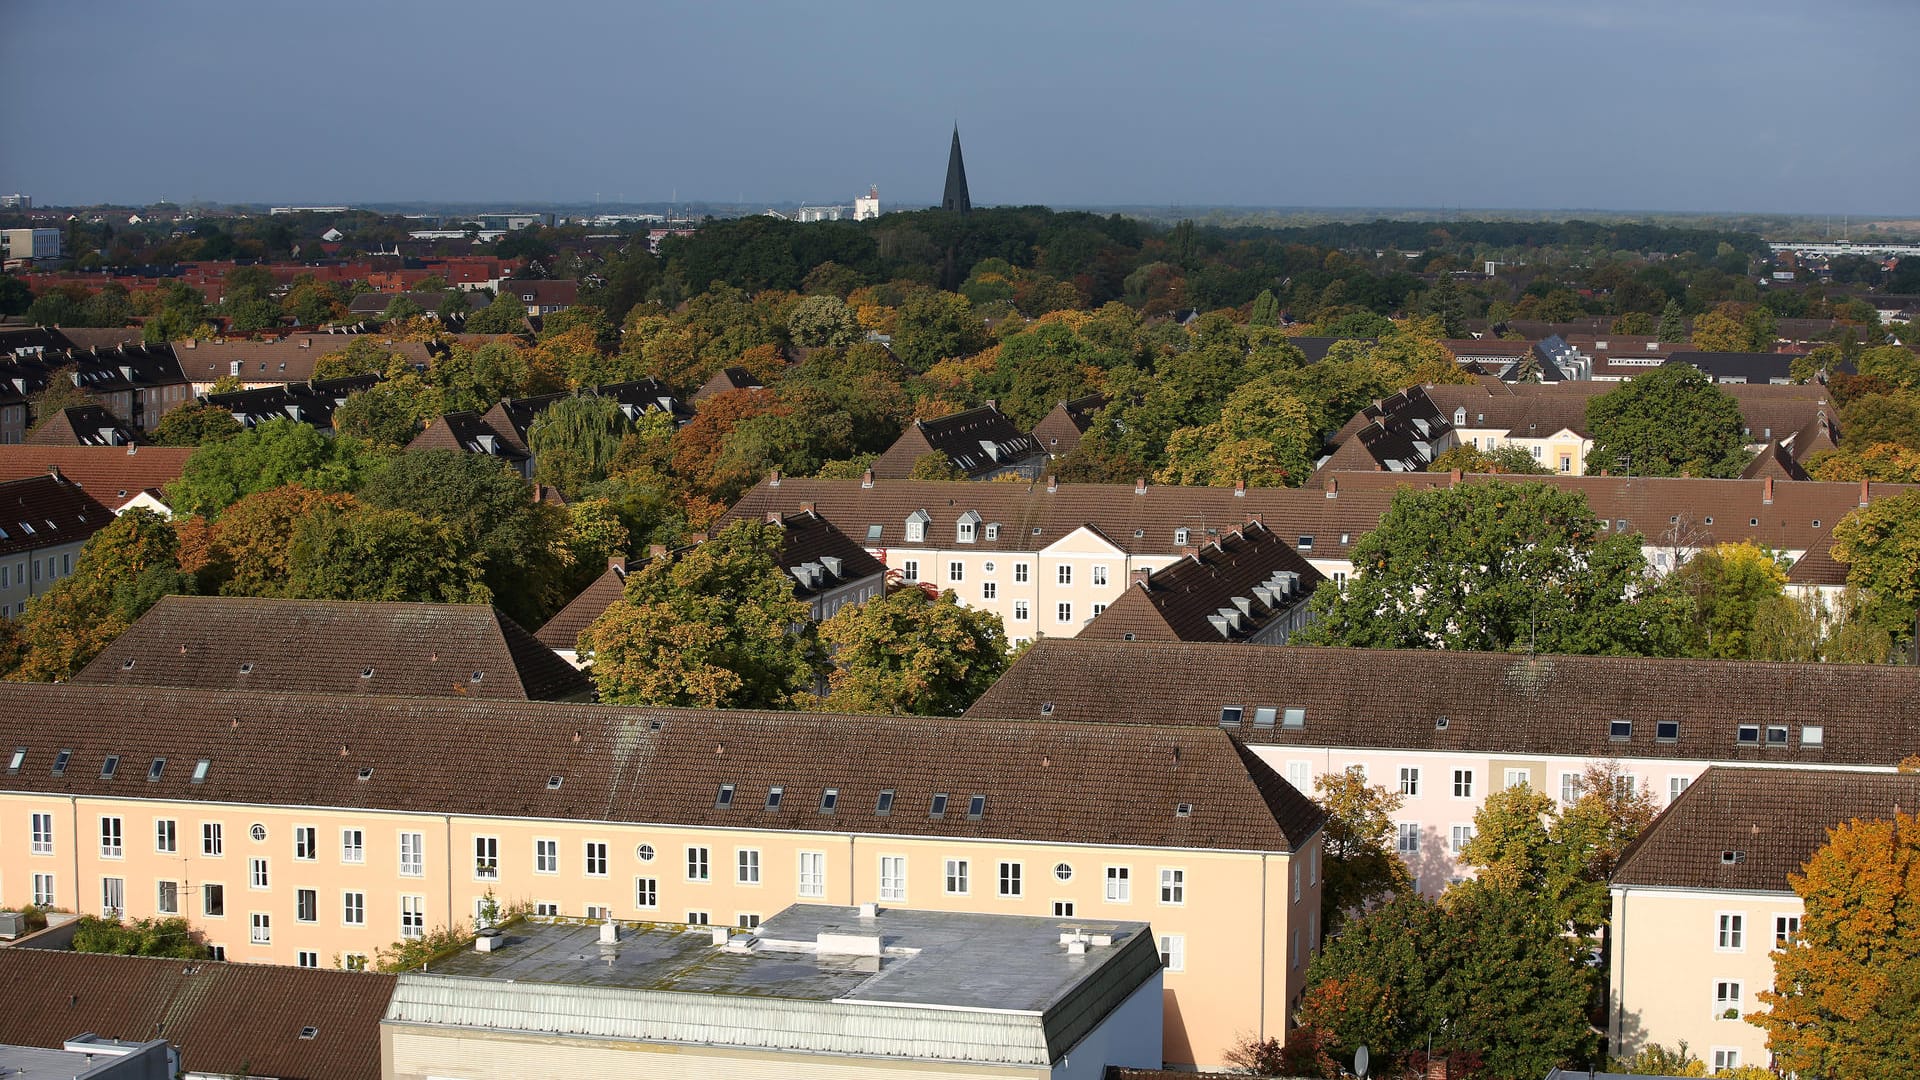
x=1614 y=971
x=73 y=811
x=1262 y=1034
x=851 y=873
x=448 y=819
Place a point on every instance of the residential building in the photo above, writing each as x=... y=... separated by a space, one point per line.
x=829 y=572
x=292 y=359
x=859 y=993
x=218 y=1019
x=983 y=443
x=89 y=1057
x=137 y=384
x=1059 y=432
x=1740 y=367
x=334 y=647
x=83 y=425
x=112 y=475
x=502 y=430
x=280 y=824
x=1401 y=433
x=1444 y=728
x=372 y=306
x=1047 y=557
x=1248 y=587
x=306 y=403
x=44 y=521
x=1550 y=419
x=543 y=297
x=723 y=381
x=1702 y=901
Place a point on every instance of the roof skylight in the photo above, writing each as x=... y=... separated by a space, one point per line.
x=976 y=807
x=724 y=798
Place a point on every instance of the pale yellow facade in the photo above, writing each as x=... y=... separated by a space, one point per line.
x=1683 y=958
x=326 y=887
x=1562 y=452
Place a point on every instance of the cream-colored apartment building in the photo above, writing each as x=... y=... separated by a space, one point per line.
x=1702 y=902
x=318 y=830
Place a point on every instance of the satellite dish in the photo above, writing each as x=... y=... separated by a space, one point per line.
x=1360 y=1060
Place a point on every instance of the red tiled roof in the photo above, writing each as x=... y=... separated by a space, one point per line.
x=239 y=1019
x=46 y=511
x=105 y=472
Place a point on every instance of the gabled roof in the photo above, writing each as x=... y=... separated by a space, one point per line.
x=1083 y=783
x=724 y=380
x=545 y=292
x=83 y=425
x=288 y=360
x=1774 y=461
x=1228 y=589
x=308 y=403
x=1060 y=430
x=1392 y=434
x=1493 y=702
x=979 y=441
x=108 y=473
x=1747 y=829
x=1748 y=366
x=336 y=647
x=47 y=511
x=1149 y=520
x=562 y=632
x=236 y=1019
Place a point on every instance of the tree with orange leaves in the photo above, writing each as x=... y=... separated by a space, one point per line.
x=1846 y=990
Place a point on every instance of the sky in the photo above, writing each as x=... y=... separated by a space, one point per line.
x=1687 y=105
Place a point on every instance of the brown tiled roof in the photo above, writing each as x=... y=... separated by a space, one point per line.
x=1178 y=601
x=562 y=632
x=1774 y=461
x=960 y=437
x=1060 y=430
x=97 y=338
x=1774 y=818
x=725 y=380
x=1537 y=410
x=1493 y=702
x=1390 y=434
x=1141 y=521
x=290 y=359
x=1043 y=782
x=1709 y=511
x=83 y=425
x=325 y=646
x=108 y=473
x=238 y=1019
x=46 y=511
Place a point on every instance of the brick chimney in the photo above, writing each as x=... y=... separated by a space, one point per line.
x=773 y=517
x=1453 y=478
x=1766 y=493
x=54 y=471
x=773 y=480
x=306 y=343
x=656 y=551
x=1139 y=485
x=1140 y=576
x=866 y=479
x=1239 y=489
x=1863 y=493
x=1053 y=484
x=617 y=562
x=1333 y=487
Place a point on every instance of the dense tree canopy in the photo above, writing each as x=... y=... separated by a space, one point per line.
x=280 y=451
x=123 y=570
x=366 y=553
x=1880 y=543
x=1362 y=868
x=1495 y=566
x=1669 y=421
x=910 y=654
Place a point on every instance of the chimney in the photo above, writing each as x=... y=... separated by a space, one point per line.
x=193 y=343
x=774 y=479
x=1140 y=576
x=992 y=404
x=1239 y=489
x=1139 y=485
x=866 y=479
x=1333 y=487
x=656 y=551
x=1053 y=485
x=806 y=508
x=609 y=933
x=1766 y=493
x=617 y=562
x=306 y=343
x=773 y=517
x=54 y=471
x=1863 y=493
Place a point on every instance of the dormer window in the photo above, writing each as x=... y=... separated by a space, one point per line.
x=993 y=530
x=917 y=523
x=1459 y=417
x=967 y=529
x=1667 y=731
x=938 y=808
x=1230 y=716
x=774 y=795
x=1748 y=735
x=1180 y=537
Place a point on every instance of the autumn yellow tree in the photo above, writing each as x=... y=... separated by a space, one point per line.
x=1846 y=991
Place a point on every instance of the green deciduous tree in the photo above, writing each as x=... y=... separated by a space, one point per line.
x=574 y=441
x=277 y=452
x=248 y=547
x=1726 y=586
x=367 y=553
x=935 y=326
x=62 y=391
x=907 y=655
x=123 y=570
x=1494 y=566
x=1880 y=543
x=173 y=938
x=714 y=627
x=1265 y=437
x=504 y=314
x=1846 y=992
x=1668 y=421
x=1479 y=976
x=387 y=414
x=1361 y=866
x=1507 y=459
x=1266 y=310
x=195 y=424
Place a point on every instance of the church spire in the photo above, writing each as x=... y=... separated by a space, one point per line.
x=956 y=197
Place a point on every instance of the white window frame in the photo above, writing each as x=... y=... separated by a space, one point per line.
x=1721 y=1002
x=989 y=590
x=413 y=854
x=353 y=908
x=413 y=918
x=113 y=837
x=546 y=855
x=259 y=874
x=259 y=928
x=1021 y=573
x=1063 y=611
x=1119 y=884
x=646 y=893
x=1460 y=835
x=1100 y=574
x=353 y=846
x=593 y=858
x=1013 y=875
x=1463 y=783
x=486 y=858
x=1063 y=574
x=1173 y=886
x=113 y=895
x=1512 y=778
x=306 y=843
x=160 y=904
x=1173 y=952
x=746 y=866
x=213 y=840
x=958 y=877
x=301 y=895
x=1729 y=931
x=956 y=570
x=45 y=890
x=699 y=863
x=1406 y=837
x=813 y=873
x=1786 y=929
x=1020 y=611
x=1410 y=781
x=42 y=833
x=893 y=878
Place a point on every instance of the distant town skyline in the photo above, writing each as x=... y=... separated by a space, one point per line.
x=1767 y=107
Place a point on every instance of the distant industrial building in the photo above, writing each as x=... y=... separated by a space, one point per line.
x=16 y=201
x=31 y=243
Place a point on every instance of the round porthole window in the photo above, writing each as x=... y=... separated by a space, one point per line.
x=989 y=568
x=1063 y=871
x=644 y=852
x=258 y=832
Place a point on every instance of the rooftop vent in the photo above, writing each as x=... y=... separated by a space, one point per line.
x=127 y=664
x=366 y=772
x=1184 y=809
x=366 y=672
x=1046 y=708
x=554 y=782
x=309 y=1032
x=1732 y=858
x=1440 y=722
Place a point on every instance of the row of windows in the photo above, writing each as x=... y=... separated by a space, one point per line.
x=1730 y=931
x=213 y=904
x=1300 y=774
x=957 y=572
x=24 y=570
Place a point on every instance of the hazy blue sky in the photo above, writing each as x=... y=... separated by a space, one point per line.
x=1765 y=105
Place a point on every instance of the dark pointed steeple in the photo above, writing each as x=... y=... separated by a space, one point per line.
x=956 y=197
